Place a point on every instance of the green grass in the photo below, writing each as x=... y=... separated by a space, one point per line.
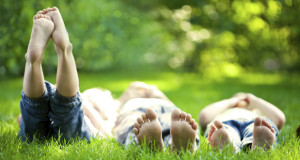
x=190 y=92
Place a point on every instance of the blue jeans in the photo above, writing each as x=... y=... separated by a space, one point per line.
x=52 y=115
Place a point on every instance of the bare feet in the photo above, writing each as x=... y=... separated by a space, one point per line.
x=41 y=32
x=148 y=129
x=263 y=134
x=60 y=34
x=218 y=136
x=183 y=131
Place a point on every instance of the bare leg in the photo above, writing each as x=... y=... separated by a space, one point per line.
x=67 y=82
x=33 y=83
x=263 y=134
x=148 y=129
x=183 y=131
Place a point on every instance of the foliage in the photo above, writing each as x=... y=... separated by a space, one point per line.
x=105 y=34
x=214 y=37
x=190 y=92
x=225 y=37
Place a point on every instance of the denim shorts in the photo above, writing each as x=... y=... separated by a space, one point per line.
x=52 y=115
x=241 y=131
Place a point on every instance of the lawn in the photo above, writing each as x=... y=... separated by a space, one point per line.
x=189 y=91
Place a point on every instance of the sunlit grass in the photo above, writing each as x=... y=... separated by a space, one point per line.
x=190 y=92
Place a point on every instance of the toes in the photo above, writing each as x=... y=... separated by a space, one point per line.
x=135 y=131
x=145 y=118
x=176 y=115
x=49 y=9
x=136 y=125
x=211 y=131
x=268 y=125
x=218 y=124
x=140 y=120
x=151 y=114
x=39 y=12
x=188 y=118
x=182 y=116
x=195 y=126
x=192 y=122
x=257 y=121
x=37 y=16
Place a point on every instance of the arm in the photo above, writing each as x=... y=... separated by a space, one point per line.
x=211 y=111
x=268 y=109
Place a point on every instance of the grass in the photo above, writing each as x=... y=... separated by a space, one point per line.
x=189 y=91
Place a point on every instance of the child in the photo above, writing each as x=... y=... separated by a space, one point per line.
x=48 y=110
x=237 y=121
x=148 y=116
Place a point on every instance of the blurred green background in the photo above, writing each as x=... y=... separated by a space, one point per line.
x=209 y=37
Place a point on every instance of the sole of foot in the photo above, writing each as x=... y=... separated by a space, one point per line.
x=263 y=134
x=60 y=35
x=40 y=35
x=148 y=130
x=217 y=136
x=183 y=131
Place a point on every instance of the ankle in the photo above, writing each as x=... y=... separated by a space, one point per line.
x=64 y=49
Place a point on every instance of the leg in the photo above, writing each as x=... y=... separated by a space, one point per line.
x=183 y=131
x=65 y=102
x=35 y=100
x=67 y=78
x=33 y=83
x=148 y=129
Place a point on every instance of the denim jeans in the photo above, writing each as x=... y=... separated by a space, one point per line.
x=52 y=115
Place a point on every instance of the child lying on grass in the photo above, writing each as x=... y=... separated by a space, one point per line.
x=237 y=121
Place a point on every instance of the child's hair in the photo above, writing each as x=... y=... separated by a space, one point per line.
x=298 y=131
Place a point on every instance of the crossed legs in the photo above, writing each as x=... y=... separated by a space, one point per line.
x=49 y=23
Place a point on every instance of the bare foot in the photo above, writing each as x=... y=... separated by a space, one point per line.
x=263 y=134
x=183 y=131
x=218 y=136
x=148 y=129
x=40 y=35
x=60 y=35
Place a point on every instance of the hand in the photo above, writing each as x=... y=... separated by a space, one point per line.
x=242 y=104
x=241 y=95
x=251 y=98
